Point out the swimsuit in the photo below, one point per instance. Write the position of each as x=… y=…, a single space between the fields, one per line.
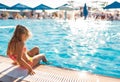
x=14 y=58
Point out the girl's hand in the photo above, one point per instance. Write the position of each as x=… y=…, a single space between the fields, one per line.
x=14 y=63
x=31 y=72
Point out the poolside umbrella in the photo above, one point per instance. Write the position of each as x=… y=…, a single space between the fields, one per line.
x=65 y=7
x=85 y=11
x=20 y=7
x=2 y=6
x=42 y=7
x=113 y=5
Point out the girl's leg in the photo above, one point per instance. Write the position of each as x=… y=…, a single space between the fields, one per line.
x=37 y=58
x=33 y=52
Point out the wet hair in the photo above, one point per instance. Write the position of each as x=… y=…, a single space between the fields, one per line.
x=17 y=37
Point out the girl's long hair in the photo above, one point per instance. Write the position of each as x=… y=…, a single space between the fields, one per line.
x=17 y=37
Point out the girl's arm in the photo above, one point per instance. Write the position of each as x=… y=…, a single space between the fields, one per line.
x=21 y=61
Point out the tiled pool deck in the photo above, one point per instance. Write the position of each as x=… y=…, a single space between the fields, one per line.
x=46 y=73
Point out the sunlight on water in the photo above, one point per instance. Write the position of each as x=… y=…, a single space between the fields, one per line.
x=87 y=34
x=7 y=26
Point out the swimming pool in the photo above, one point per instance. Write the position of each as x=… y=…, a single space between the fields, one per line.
x=89 y=45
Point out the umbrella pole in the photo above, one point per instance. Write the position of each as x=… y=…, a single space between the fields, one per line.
x=65 y=15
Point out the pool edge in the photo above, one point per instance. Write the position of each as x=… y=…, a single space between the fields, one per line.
x=56 y=70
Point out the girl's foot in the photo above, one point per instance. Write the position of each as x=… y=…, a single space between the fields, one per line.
x=46 y=63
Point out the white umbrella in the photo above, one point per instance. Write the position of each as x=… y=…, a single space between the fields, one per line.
x=69 y=8
x=65 y=7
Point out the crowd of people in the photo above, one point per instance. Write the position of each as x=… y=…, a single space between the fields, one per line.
x=107 y=16
x=69 y=15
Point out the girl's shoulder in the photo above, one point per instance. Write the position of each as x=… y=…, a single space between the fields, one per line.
x=20 y=44
x=16 y=43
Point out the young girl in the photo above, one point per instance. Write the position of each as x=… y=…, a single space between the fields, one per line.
x=18 y=52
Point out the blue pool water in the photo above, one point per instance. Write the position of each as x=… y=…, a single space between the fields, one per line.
x=92 y=46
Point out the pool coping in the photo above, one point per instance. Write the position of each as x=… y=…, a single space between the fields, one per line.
x=57 y=70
